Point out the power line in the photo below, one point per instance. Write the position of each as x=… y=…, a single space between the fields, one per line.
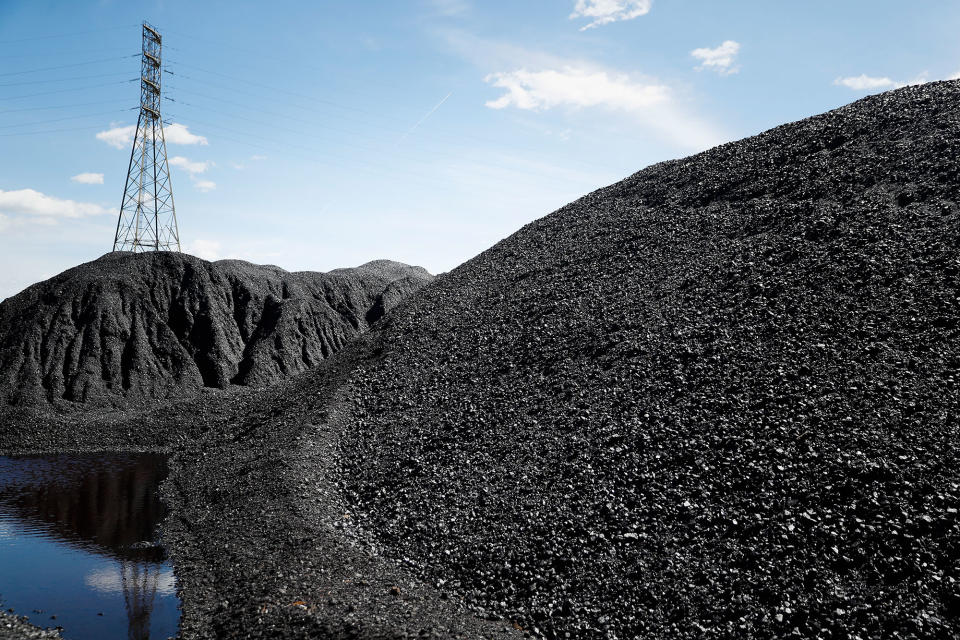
x=66 y=66
x=457 y=139
x=99 y=75
x=47 y=93
x=67 y=35
x=34 y=133
x=80 y=117
x=271 y=88
x=59 y=106
x=63 y=54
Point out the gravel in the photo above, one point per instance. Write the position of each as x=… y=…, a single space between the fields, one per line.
x=716 y=399
x=19 y=628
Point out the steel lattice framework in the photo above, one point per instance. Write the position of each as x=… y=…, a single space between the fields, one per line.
x=148 y=219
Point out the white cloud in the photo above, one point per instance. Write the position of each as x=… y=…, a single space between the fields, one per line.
x=576 y=87
x=606 y=11
x=673 y=119
x=189 y=165
x=719 y=59
x=177 y=133
x=204 y=185
x=88 y=178
x=206 y=249
x=47 y=208
x=863 y=82
x=256 y=157
x=120 y=137
x=4 y=223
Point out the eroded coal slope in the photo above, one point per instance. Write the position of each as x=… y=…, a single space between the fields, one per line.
x=130 y=327
x=716 y=399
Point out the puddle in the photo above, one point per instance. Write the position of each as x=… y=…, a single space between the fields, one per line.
x=78 y=539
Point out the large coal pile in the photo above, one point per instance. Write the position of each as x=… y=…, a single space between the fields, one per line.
x=718 y=398
x=129 y=327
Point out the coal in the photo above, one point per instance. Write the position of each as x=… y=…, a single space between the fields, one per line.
x=718 y=398
x=133 y=327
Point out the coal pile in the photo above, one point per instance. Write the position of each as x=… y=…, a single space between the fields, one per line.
x=129 y=327
x=716 y=399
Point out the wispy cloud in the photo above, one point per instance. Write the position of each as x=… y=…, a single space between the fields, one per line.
x=239 y=166
x=606 y=11
x=88 y=178
x=121 y=137
x=46 y=209
x=720 y=59
x=540 y=81
x=450 y=7
x=647 y=101
x=189 y=165
x=576 y=87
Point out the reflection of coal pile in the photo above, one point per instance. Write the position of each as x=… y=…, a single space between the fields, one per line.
x=105 y=502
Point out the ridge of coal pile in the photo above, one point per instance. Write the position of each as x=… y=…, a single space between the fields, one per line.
x=718 y=398
x=129 y=327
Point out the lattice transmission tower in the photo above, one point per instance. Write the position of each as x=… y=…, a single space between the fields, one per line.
x=148 y=219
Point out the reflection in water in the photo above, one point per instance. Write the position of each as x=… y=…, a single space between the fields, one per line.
x=96 y=516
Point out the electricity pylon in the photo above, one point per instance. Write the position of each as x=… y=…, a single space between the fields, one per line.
x=148 y=219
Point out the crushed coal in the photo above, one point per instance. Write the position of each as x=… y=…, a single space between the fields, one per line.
x=718 y=398
x=129 y=327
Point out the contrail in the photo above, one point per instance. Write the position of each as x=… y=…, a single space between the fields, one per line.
x=425 y=116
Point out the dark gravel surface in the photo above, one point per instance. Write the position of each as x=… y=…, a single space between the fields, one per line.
x=133 y=327
x=716 y=399
x=264 y=544
x=19 y=628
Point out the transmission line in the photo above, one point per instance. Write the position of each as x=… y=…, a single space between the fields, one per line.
x=99 y=75
x=80 y=117
x=91 y=86
x=65 y=35
x=66 y=66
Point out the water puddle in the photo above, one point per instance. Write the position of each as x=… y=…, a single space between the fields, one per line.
x=78 y=545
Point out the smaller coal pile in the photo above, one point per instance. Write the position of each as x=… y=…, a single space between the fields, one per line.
x=129 y=327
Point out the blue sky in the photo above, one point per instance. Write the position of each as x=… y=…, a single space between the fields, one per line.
x=316 y=135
